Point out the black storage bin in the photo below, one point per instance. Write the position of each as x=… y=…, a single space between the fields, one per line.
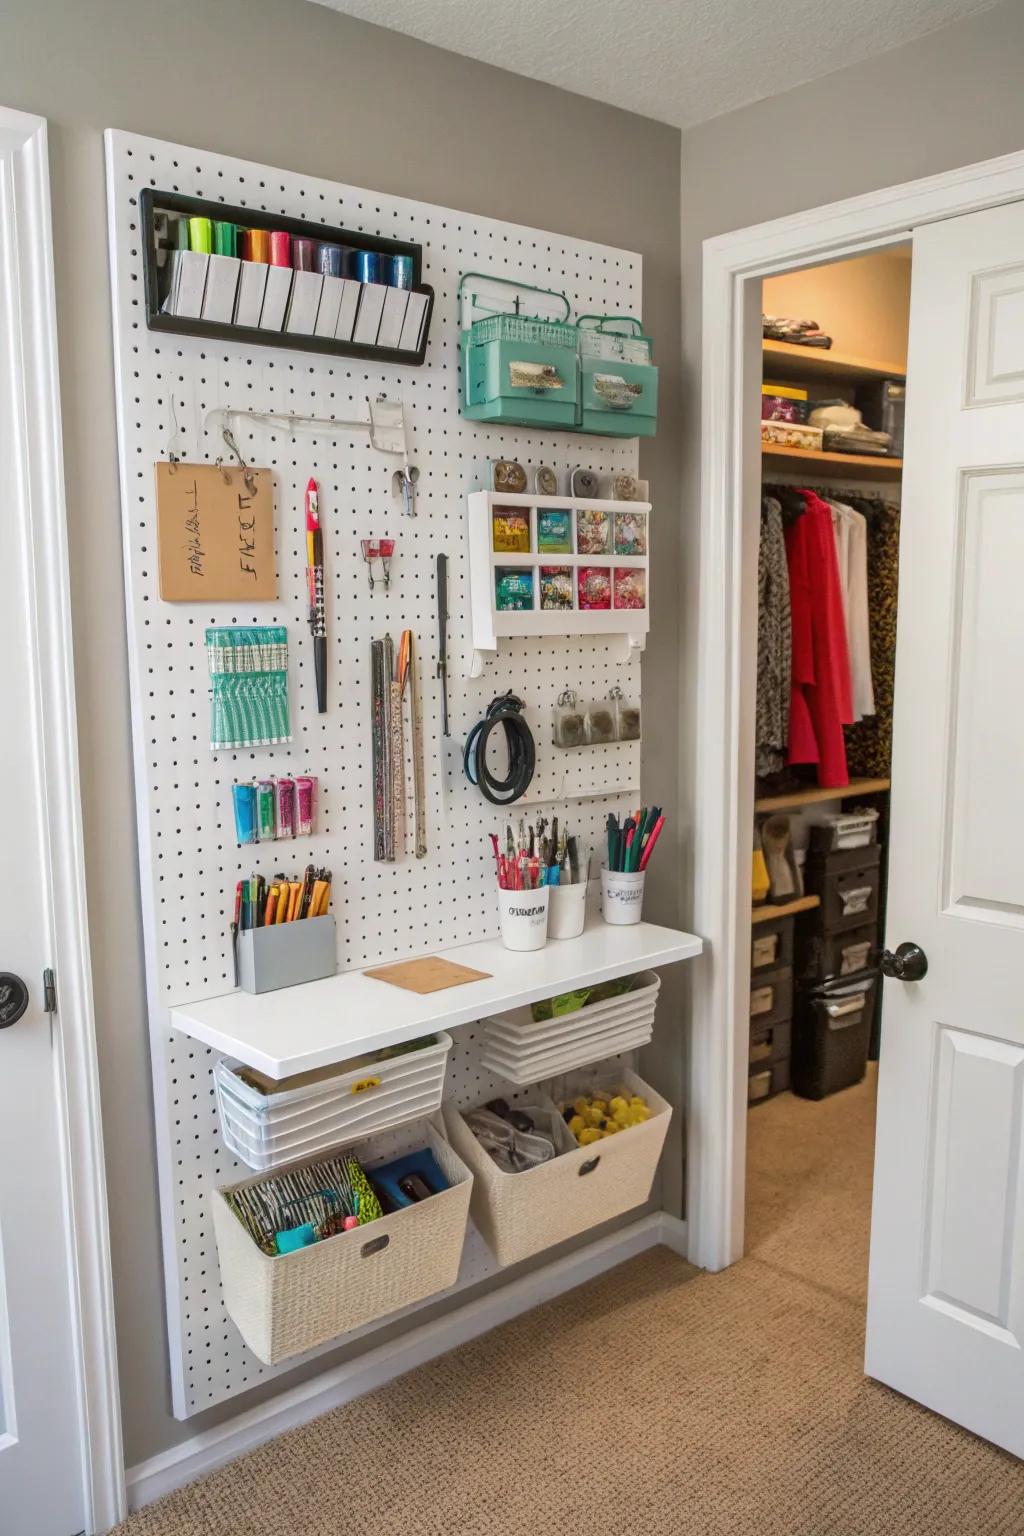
x=766 y=1082
x=831 y=1032
x=768 y=1045
x=822 y=956
x=771 y=997
x=847 y=883
x=771 y=944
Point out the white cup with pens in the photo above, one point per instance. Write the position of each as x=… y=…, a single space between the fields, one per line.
x=630 y=846
x=542 y=885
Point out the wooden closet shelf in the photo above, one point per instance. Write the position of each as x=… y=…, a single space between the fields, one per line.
x=784 y=361
x=860 y=466
x=768 y=913
x=814 y=794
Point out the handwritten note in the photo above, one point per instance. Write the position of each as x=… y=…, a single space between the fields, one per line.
x=215 y=533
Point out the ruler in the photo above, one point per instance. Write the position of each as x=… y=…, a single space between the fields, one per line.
x=418 y=790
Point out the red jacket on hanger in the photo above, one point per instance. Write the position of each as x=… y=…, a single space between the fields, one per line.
x=821 y=701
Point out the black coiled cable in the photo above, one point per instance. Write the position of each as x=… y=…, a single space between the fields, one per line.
x=504 y=711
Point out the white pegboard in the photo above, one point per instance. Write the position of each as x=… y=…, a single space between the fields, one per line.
x=189 y=859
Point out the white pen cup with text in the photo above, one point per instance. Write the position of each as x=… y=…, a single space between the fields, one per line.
x=622 y=896
x=524 y=918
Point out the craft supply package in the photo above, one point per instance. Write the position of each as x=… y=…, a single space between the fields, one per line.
x=175 y=395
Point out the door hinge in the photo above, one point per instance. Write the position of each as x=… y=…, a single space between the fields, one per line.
x=49 y=992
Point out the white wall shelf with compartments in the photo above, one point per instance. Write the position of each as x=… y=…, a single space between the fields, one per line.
x=320 y=1023
x=492 y=623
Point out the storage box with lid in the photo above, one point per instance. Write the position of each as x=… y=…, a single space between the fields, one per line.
x=822 y=956
x=831 y=1035
x=847 y=883
x=771 y=996
x=520 y=1214
x=618 y=379
x=765 y=1082
x=288 y=1303
x=519 y=354
x=771 y=944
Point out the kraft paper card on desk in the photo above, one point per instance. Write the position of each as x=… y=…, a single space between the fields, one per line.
x=215 y=533
x=431 y=974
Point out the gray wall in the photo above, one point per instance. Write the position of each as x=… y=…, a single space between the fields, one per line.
x=947 y=101
x=384 y=112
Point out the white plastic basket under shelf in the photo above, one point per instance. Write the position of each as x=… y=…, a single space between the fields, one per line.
x=524 y=1050
x=266 y=1130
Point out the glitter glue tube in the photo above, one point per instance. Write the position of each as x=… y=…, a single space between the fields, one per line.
x=305 y=793
x=255 y=245
x=265 y=809
x=280 y=248
x=304 y=254
x=286 y=807
x=244 y=798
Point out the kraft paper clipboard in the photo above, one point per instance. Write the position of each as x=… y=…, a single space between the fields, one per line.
x=215 y=533
x=430 y=974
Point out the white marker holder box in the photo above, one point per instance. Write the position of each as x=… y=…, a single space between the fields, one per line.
x=330 y=306
x=412 y=323
x=221 y=289
x=275 y=300
x=252 y=285
x=371 y=307
x=347 y=309
x=391 y=321
x=304 y=304
x=189 y=283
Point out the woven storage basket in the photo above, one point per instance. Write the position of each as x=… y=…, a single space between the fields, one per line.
x=268 y=1130
x=520 y=1214
x=292 y=1302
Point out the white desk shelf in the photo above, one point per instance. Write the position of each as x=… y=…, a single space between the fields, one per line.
x=491 y=623
x=323 y=1022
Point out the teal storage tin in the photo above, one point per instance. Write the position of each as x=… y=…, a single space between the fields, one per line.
x=618 y=380
x=518 y=366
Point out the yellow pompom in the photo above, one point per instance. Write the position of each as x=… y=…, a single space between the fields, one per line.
x=577 y=1124
x=581 y=1105
x=618 y=1103
x=593 y=1116
x=589 y=1135
x=638 y=1101
x=611 y=1126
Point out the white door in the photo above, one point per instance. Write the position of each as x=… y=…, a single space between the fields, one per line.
x=946 y=1284
x=41 y=1486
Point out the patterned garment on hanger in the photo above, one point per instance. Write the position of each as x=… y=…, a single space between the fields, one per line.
x=869 y=742
x=773 y=643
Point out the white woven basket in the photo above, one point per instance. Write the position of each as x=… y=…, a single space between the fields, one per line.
x=292 y=1302
x=522 y=1049
x=268 y=1130
x=520 y=1214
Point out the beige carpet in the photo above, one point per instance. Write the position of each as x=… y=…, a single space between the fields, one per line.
x=650 y=1401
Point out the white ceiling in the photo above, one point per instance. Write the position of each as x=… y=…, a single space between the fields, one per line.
x=680 y=61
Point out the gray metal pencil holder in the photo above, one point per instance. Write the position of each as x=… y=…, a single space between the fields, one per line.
x=287 y=953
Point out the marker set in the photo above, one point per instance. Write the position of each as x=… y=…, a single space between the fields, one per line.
x=271 y=280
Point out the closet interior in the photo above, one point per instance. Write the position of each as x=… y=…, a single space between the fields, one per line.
x=832 y=403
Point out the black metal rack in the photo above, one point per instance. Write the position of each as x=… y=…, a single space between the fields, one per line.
x=151 y=200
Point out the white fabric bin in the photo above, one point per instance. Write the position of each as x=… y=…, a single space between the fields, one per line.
x=289 y=1303
x=344 y=1104
x=520 y=1214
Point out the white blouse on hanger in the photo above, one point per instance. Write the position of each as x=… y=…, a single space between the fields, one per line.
x=851 y=534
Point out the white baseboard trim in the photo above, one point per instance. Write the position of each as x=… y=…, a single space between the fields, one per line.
x=213 y=1448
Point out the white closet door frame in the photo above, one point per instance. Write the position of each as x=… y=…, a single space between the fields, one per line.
x=27 y=292
x=734 y=265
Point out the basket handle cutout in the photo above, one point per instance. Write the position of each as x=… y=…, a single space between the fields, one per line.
x=375 y=1245
x=590 y=1165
